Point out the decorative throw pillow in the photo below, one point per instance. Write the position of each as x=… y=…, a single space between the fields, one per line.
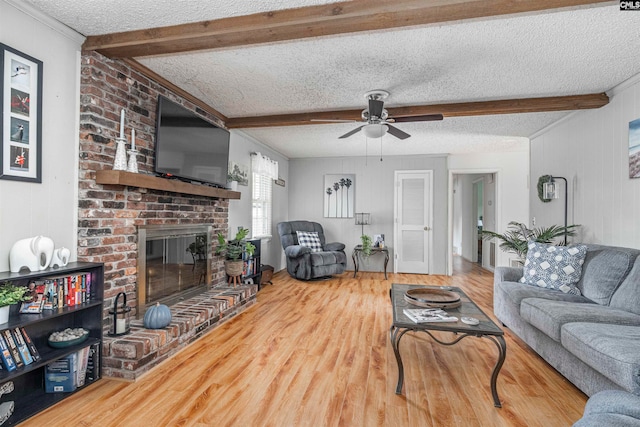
x=554 y=267
x=309 y=239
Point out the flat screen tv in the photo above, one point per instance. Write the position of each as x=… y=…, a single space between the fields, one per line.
x=189 y=147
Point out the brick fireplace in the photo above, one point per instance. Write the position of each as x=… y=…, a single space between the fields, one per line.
x=109 y=215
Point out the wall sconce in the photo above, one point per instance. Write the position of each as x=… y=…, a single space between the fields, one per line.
x=363 y=219
x=550 y=190
x=120 y=316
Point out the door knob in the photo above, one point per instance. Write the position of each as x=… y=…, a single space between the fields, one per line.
x=427 y=228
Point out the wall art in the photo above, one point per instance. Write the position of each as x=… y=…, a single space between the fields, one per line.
x=238 y=172
x=21 y=112
x=339 y=191
x=634 y=149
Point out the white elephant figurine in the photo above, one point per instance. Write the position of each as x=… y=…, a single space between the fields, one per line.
x=34 y=253
x=60 y=257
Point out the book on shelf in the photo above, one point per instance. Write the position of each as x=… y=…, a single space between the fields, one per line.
x=23 y=350
x=36 y=303
x=13 y=348
x=30 y=345
x=5 y=355
x=82 y=360
x=93 y=363
x=428 y=315
x=60 y=375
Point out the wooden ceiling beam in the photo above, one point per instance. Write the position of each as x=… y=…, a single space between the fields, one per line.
x=311 y=21
x=480 y=108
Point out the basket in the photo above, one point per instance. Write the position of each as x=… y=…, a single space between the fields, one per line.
x=234 y=267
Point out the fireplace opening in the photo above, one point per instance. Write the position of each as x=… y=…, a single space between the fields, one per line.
x=173 y=263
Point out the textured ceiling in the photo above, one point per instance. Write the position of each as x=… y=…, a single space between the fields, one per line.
x=535 y=55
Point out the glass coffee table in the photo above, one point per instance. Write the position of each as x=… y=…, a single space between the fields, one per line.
x=485 y=329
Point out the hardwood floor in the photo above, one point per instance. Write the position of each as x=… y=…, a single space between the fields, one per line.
x=318 y=354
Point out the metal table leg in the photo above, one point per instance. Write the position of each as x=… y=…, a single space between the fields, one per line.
x=502 y=354
x=395 y=334
x=386 y=261
x=354 y=257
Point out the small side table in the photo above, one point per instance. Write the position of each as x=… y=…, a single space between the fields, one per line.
x=358 y=249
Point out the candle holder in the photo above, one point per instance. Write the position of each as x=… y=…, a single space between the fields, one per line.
x=120 y=162
x=133 y=161
x=120 y=316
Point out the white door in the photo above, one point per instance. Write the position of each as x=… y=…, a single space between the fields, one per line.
x=413 y=221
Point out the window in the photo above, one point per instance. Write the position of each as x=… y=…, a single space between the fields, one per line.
x=263 y=172
x=261 y=226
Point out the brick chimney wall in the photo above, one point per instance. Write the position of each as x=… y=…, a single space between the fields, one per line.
x=108 y=215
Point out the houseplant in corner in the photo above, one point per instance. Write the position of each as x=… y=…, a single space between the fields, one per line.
x=10 y=294
x=233 y=251
x=515 y=239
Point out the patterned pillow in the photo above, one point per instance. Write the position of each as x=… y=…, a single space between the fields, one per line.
x=554 y=267
x=309 y=239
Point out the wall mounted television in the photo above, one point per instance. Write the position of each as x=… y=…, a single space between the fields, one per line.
x=189 y=147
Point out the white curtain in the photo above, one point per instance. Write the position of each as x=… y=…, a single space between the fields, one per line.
x=264 y=166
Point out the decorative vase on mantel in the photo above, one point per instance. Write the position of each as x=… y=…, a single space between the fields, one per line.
x=232 y=185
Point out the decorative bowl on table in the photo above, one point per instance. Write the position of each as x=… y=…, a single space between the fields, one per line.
x=68 y=337
x=433 y=298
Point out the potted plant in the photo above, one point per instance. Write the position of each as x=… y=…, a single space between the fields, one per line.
x=516 y=237
x=10 y=294
x=366 y=245
x=233 y=251
x=233 y=178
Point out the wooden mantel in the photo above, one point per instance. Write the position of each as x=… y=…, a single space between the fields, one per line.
x=155 y=183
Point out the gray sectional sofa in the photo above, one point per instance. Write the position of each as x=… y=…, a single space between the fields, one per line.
x=593 y=339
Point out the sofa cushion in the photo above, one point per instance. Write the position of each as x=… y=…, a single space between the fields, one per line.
x=604 y=269
x=554 y=267
x=627 y=296
x=550 y=316
x=309 y=239
x=611 y=408
x=516 y=292
x=612 y=350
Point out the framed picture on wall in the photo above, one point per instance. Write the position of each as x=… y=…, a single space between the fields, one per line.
x=339 y=197
x=21 y=112
x=634 y=149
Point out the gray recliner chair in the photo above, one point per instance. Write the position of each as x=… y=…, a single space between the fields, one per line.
x=302 y=262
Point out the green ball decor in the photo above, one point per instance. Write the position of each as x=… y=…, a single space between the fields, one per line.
x=157 y=317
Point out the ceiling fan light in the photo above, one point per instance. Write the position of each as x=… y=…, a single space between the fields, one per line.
x=375 y=130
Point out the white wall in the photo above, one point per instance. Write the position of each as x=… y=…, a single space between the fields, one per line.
x=49 y=208
x=240 y=211
x=374 y=191
x=511 y=184
x=590 y=149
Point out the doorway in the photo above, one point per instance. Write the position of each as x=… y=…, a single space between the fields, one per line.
x=413 y=212
x=473 y=200
x=477 y=218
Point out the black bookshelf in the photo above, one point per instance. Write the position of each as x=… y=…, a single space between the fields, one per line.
x=29 y=394
x=252 y=264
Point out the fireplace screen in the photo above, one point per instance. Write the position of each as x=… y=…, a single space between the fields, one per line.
x=173 y=265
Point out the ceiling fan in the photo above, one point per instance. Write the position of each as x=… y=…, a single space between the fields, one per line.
x=377 y=119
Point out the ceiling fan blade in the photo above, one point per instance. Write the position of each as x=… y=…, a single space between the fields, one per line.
x=426 y=118
x=375 y=108
x=397 y=132
x=348 y=134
